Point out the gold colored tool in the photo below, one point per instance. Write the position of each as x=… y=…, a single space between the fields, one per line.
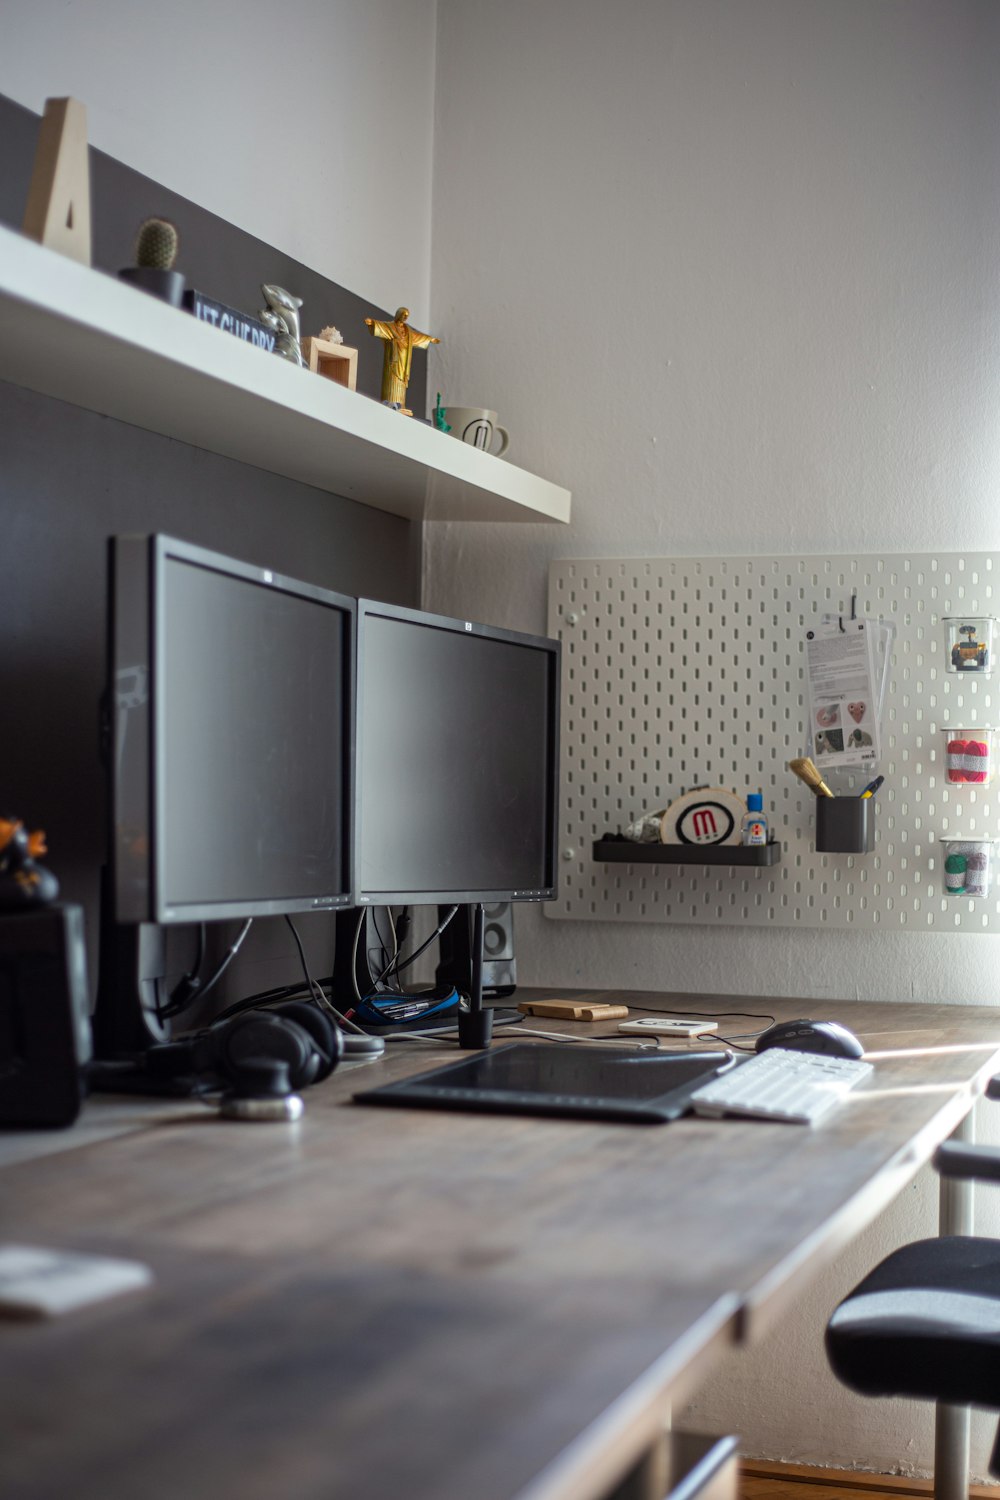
x=806 y=771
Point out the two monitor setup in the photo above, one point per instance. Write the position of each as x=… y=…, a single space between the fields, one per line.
x=276 y=748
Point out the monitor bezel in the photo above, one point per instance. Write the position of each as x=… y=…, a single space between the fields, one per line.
x=136 y=572
x=448 y=895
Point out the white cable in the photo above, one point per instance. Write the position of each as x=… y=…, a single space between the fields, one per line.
x=528 y=1035
x=524 y=1036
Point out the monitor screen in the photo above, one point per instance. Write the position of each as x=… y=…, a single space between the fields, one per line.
x=231 y=724
x=457 y=759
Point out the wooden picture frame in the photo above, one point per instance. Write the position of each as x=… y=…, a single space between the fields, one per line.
x=333 y=361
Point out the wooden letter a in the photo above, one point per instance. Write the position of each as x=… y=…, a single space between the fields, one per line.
x=58 y=211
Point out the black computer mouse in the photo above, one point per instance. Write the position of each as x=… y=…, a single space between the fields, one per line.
x=828 y=1037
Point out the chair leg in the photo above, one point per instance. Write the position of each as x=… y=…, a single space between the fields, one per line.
x=951 y=1423
x=951 y=1452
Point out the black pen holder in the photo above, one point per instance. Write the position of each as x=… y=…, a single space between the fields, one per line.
x=845 y=825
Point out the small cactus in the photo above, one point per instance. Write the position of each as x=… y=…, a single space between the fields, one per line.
x=156 y=244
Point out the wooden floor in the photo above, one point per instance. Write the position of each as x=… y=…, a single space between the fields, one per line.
x=772 y=1481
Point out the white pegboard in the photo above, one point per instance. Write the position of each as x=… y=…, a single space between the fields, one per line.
x=685 y=672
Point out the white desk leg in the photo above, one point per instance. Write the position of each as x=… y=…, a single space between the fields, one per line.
x=951 y=1429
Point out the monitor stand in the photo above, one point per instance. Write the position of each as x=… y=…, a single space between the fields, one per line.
x=126 y=1022
x=475 y=1025
x=131 y=969
x=351 y=952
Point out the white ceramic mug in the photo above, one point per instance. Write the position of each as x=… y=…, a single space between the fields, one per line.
x=476 y=425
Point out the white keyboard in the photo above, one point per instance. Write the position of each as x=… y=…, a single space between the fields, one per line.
x=800 y=1088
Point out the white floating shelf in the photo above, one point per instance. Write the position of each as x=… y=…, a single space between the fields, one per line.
x=74 y=333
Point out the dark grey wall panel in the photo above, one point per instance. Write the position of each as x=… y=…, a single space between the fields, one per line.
x=69 y=479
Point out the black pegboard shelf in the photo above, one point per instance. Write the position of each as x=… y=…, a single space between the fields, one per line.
x=619 y=851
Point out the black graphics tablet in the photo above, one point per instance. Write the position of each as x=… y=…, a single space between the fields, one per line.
x=535 y=1078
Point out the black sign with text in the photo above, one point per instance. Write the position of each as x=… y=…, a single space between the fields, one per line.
x=229 y=320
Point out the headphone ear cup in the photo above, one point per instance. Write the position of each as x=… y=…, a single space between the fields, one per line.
x=260 y=1034
x=326 y=1036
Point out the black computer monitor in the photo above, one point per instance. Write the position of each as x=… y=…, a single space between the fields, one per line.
x=457 y=756
x=230 y=702
x=456 y=798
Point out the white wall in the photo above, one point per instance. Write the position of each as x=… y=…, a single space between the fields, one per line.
x=728 y=270
x=307 y=123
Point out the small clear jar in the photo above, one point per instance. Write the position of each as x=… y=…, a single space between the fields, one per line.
x=967 y=866
x=968 y=757
x=968 y=642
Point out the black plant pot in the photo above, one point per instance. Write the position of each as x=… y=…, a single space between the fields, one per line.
x=167 y=285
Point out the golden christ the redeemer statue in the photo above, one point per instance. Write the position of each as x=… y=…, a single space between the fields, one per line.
x=402 y=340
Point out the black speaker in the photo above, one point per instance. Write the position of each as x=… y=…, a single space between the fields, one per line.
x=44 y=1021
x=455 y=950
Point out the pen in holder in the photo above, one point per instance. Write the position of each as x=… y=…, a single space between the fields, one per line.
x=845 y=825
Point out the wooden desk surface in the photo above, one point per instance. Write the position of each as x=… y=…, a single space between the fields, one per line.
x=464 y=1307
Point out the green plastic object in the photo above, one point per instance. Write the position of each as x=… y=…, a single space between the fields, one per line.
x=439 y=421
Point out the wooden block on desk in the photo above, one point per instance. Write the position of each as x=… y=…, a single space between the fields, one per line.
x=573 y=1010
x=334 y=361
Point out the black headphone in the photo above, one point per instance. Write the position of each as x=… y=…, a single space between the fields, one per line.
x=297 y=1036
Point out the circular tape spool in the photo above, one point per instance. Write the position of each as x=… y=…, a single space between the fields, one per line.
x=708 y=815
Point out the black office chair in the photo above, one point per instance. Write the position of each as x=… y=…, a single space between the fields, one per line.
x=925 y=1323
